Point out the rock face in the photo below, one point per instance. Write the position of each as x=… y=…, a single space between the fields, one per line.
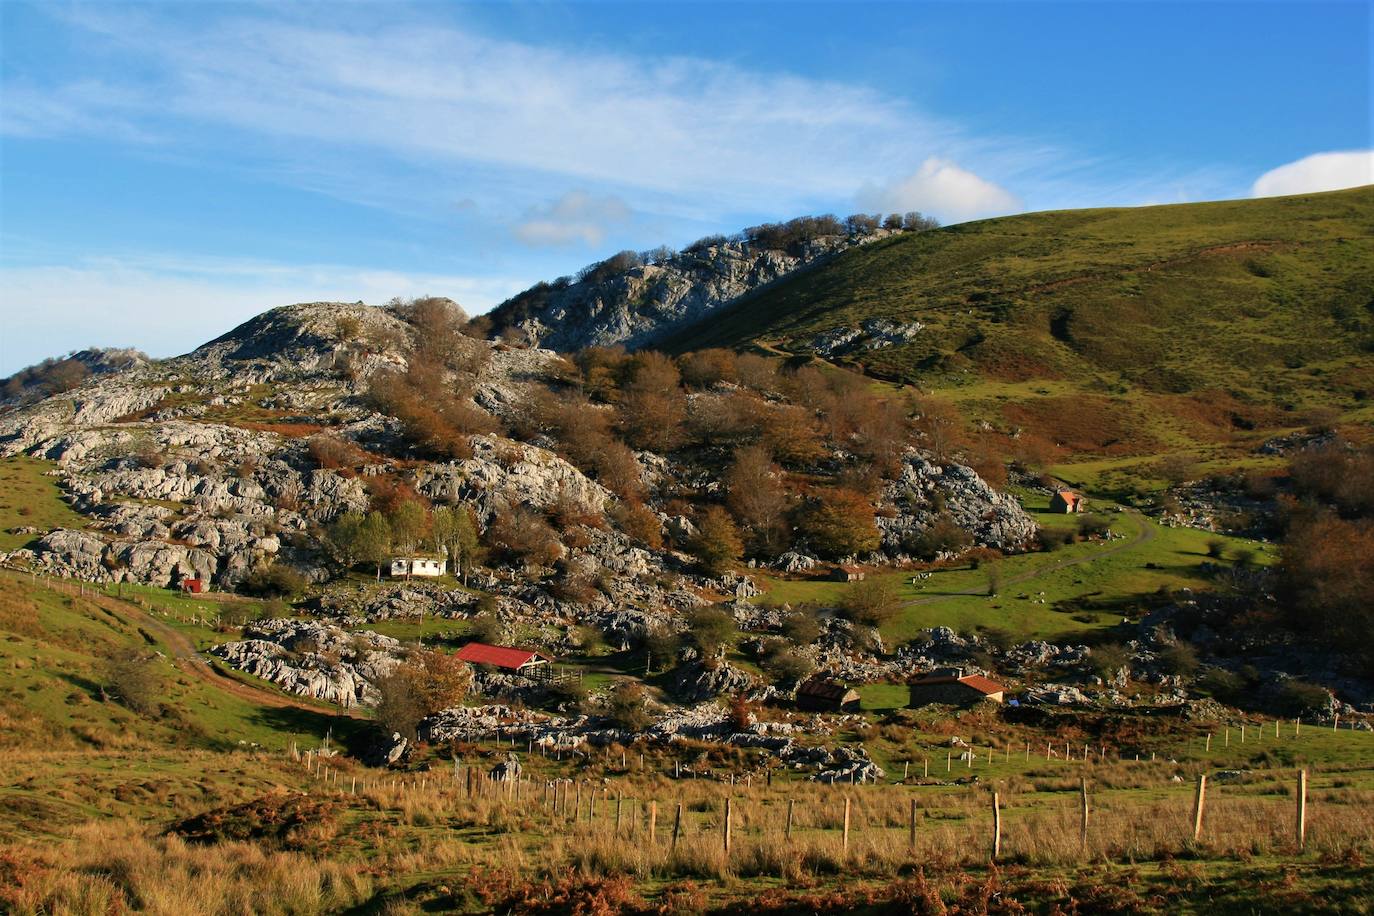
x=925 y=492
x=644 y=303
x=314 y=660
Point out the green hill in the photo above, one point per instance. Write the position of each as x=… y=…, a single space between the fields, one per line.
x=1114 y=331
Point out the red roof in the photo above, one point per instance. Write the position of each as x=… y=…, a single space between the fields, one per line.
x=976 y=681
x=479 y=653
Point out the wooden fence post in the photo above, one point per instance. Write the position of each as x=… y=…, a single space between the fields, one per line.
x=996 y=826
x=1302 y=810
x=846 y=826
x=787 y=832
x=1083 y=815
x=677 y=827
x=1199 y=803
x=729 y=816
x=911 y=826
x=653 y=822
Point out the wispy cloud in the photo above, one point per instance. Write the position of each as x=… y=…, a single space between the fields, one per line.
x=442 y=96
x=170 y=305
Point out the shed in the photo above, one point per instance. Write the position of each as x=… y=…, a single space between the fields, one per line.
x=846 y=574
x=954 y=688
x=507 y=658
x=824 y=694
x=1066 y=501
x=417 y=566
x=193 y=586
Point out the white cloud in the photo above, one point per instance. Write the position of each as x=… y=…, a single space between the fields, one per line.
x=575 y=217
x=1318 y=172
x=168 y=306
x=944 y=189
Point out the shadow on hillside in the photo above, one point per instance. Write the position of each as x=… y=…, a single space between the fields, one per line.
x=307 y=725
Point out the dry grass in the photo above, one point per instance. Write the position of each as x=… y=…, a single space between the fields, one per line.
x=113 y=867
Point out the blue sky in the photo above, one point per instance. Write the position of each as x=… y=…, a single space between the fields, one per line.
x=170 y=169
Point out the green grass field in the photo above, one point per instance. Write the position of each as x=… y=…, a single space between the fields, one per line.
x=30 y=498
x=1041 y=597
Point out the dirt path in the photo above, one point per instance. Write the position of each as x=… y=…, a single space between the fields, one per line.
x=1145 y=532
x=185 y=657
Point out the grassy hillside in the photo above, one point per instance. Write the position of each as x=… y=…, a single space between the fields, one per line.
x=1113 y=332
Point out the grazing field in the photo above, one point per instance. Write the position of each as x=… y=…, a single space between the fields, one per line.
x=209 y=801
x=29 y=498
x=1067 y=593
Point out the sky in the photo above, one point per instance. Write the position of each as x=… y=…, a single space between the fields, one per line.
x=170 y=169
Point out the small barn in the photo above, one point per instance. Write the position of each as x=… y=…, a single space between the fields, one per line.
x=846 y=574
x=1066 y=502
x=408 y=567
x=823 y=694
x=193 y=586
x=526 y=662
x=954 y=688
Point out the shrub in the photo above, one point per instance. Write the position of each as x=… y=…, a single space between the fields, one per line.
x=1300 y=698
x=626 y=706
x=274 y=580
x=1180 y=659
x=711 y=630
x=872 y=602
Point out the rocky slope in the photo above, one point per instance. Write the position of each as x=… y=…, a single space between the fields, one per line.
x=636 y=303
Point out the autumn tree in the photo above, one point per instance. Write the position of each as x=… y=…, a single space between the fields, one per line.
x=526 y=535
x=627 y=706
x=716 y=544
x=704 y=368
x=941 y=429
x=653 y=409
x=427 y=682
x=128 y=676
x=638 y=522
x=1326 y=578
x=839 y=523
x=757 y=497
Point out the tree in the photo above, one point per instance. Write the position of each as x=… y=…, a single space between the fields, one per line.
x=653 y=408
x=704 y=368
x=342 y=539
x=427 y=682
x=839 y=523
x=525 y=534
x=639 y=523
x=941 y=429
x=408 y=522
x=755 y=494
x=373 y=541
x=454 y=530
x=872 y=602
x=716 y=544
